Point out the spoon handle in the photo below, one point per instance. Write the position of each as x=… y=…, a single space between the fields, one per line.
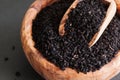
x=109 y=16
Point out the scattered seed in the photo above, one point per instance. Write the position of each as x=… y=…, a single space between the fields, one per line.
x=6 y=59
x=13 y=47
x=17 y=74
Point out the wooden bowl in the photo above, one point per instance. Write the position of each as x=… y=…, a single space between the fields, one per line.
x=48 y=70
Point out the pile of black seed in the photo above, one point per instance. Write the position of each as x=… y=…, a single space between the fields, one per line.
x=71 y=50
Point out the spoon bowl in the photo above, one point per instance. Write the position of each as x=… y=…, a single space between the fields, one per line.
x=109 y=16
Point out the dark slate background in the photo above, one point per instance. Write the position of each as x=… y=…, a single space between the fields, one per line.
x=13 y=63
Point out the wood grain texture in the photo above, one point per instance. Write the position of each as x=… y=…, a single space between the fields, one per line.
x=118 y=5
x=48 y=70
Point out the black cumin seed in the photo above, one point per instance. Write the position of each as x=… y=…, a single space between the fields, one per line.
x=17 y=74
x=72 y=49
x=6 y=59
x=13 y=47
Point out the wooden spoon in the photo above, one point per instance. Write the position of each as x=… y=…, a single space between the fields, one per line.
x=109 y=16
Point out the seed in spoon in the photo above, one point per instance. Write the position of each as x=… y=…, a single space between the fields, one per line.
x=65 y=17
x=109 y=16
